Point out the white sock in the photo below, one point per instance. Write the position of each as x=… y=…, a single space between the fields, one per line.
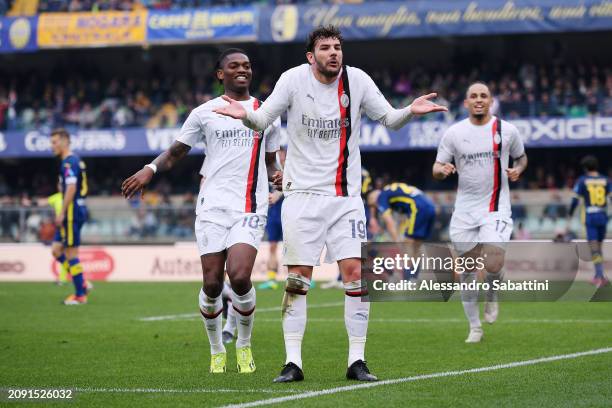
x=244 y=306
x=211 y=310
x=356 y=315
x=469 y=299
x=491 y=294
x=294 y=316
x=230 y=322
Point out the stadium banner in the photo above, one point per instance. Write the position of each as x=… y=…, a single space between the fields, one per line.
x=421 y=18
x=417 y=135
x=85 y=29
x=18 y=34
x=217 y=23
x=129 y=263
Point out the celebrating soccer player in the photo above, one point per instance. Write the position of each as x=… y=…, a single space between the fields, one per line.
x=481 y=147
x=72 y=215
x=322 y=182
x=232 y=204
x=594 y=189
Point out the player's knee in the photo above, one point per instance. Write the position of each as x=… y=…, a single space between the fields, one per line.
x=494 y=265
x=213 y=288
x=56 y=251
x=351 y=270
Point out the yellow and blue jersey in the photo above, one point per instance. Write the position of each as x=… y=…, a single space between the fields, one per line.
x=408 y=200
x=73 y=172
x=593 y=191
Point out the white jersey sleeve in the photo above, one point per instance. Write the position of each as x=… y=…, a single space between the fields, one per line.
x=192 y=131
x=446 y=148
x=274 y=106
x=273 y=136
x=517 y=149
x=374 y=104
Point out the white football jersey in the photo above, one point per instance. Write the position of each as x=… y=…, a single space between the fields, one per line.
x=481 y=155
x=235 y=166
x=323 y=126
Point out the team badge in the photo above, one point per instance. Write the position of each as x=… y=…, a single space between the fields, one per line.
x=497 y=138
x=344 y=100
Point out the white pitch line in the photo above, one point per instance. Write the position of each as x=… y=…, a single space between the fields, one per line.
x=449 y=320
x=178 y=391
x=335 y=390
x=263 y=310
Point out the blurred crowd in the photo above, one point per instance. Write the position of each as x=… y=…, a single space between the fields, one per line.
x=46 y=6
x=28 y=102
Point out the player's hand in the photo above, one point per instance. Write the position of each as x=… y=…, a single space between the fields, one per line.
x=422 y=105
x=59 y=219
x=447 y=169
x=137 y=182
x=233 y=110
x=374 y=226
x=513 y=174
x=277 y=180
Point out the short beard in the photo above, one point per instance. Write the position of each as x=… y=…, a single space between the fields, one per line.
x=479 y=116
x=326 y=72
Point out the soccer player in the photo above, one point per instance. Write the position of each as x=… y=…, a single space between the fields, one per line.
x=229 y=328
x=594 y=189
x=72 y=215
x=274 y=230
x=232 y=204
x=366 y=188
x=414 y=205
x=481 y=147
x=321 y=182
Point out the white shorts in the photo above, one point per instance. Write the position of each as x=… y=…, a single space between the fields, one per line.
x=468 y=230
x=218 y=230
x=311 y=221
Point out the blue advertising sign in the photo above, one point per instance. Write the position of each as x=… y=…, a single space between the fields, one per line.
x=422 y=18
x=18 y=34
x=217 y=23
x=536 y=132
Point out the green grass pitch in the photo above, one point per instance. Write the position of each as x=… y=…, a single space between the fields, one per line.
x=115 y=359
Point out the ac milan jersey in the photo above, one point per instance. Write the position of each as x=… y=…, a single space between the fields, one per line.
x=323 y=124
x=481 y=155
x=235 y=169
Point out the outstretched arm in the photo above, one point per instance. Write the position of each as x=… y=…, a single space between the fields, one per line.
x=272 y=108
x=165 y=161
x=397 y=118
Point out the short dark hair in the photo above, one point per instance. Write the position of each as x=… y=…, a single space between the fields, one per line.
x=589 y=163
x=477 y=83
x=61 y=132
x=320 y=33
x=227 y=52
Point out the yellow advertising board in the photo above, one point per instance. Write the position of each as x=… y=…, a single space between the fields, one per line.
x=57 y=30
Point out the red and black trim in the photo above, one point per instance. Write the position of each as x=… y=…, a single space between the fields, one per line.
x=497 y=168
x=251 y=188
x=243 y=312
x=211 y=315
x=357 y=293
x=344 y=94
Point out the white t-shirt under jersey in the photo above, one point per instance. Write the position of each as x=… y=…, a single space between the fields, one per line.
x=474 y=149
x=316 y=153
x=236 y=176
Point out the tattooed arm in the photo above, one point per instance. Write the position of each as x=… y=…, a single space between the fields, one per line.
x=164 y=162
x=275 y=175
